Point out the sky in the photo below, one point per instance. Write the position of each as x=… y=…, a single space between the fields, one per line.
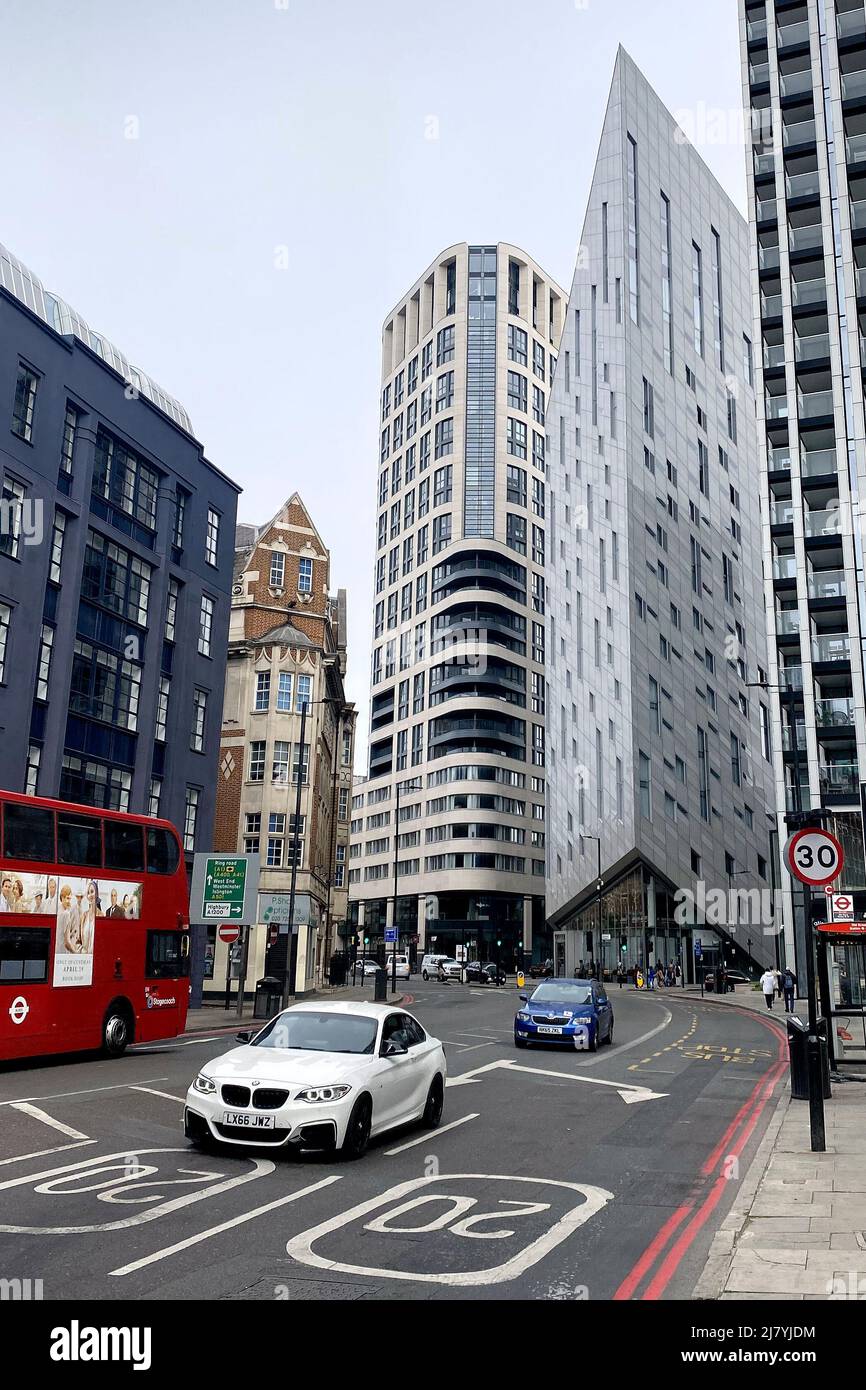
x=236 y=192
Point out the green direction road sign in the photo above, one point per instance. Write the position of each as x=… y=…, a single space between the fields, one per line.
x=224 y=886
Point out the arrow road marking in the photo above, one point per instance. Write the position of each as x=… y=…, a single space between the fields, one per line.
x=632 y=1095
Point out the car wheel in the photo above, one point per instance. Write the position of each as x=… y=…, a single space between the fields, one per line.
x=358 y=1129
x=424 y=975
x=520 y=1042
x=609 y=1038
x=116 y=1031
x=593 y=1042
x=435 y=1102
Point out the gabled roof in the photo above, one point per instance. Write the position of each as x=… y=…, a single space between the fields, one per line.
x=286 y=634
x=249 y=536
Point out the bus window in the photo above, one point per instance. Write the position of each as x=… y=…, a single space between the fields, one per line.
x=124 y=846
x=163 y=855
x=166 y=957
x=79 y=840
x=28 y=832
x=24 y=954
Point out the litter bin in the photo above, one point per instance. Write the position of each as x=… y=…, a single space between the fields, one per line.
x=798 y=1055
x=269 y=997
x=381 y=986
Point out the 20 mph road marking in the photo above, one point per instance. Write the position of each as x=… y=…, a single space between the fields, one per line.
x=632 y=1095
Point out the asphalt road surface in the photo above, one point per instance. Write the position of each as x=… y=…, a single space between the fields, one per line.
x=554 y=1174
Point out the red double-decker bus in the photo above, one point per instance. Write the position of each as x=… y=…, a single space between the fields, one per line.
x=94 y=929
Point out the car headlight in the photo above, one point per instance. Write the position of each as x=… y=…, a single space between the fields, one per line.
x=204 y=1083
x=318 y=1094
x=585 y=1018
x=524 y=1017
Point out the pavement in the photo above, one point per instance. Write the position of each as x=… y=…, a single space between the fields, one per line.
x=591 y=1176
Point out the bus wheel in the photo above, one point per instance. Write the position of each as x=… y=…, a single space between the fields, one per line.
x=116 y=1030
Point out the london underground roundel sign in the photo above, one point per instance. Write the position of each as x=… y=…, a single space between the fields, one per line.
x=814 y=857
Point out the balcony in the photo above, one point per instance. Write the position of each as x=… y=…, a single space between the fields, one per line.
x=831 y=646
x=858 y=213
x=799 y=133
x=854 y=84
x=860 y=280
x=782 y=513
x=805 y=185
x=839 y=779
x=808 y=238
x=768 y=257
x=817 y=463
x=794 y=84
x=759 y=74
x=774 y=355
x=824 y=584
x=811 y=404
x=787 y=622
x=785 y=567
x=756 y=28
x=851 y=24
x=779 y=458
x=764 y=164
x=771 y=306
x=789 y=34
x=765 y=208
x=791 y=677
x=809 y=347
x=787 y=739
x=855 y=148
x=823 y=525
x=837 y=713
x=808 y=291
x=776 y=408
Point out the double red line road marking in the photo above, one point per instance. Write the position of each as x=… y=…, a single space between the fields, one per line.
x=689 y=1218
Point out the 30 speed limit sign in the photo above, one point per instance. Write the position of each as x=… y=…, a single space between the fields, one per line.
x=814 y=857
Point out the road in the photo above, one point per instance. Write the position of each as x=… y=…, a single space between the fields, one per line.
x=554 y=1175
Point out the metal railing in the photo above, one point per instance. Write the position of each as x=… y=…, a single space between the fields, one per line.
x=831 y=646
x=827 y=584
x=809 y=291
x=835 y=713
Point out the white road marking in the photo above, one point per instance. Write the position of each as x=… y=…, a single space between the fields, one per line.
x=166 y=1095
x=428 y=1138
x=224 y=1226
x=506 y=1033
x=261 y=1167
x=300 y=1247
x=173 y=1047
x=631 y=1094
x=91 y=1091
x=469 y=1047
x=42 y=1153
x=46 y=1119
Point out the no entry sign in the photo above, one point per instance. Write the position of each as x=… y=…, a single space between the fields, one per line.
x=229 y=934
x=814 y=856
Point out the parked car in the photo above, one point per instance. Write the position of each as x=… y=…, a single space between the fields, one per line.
x=319 y=1076
x=575 y=1012
x=429 y=964
x=483 y=974
x=402 y=968
x=447 y=968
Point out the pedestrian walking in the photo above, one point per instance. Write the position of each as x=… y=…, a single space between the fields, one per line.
x=620 y=975
x=638 y=979
x=678 y=972
x=789 y=985
x=778 y=975
x=651 y=977
x=768 y=985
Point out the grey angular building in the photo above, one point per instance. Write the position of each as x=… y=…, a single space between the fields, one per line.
x=804 y=83
x=659 y=776
x=116 y=551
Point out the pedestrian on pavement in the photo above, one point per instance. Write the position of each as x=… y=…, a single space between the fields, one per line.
x=620 y=975
x=678 y=972
x=768 y=985
x=789 y=985
x=638 y=978
x=778 y=975
x=651 y=977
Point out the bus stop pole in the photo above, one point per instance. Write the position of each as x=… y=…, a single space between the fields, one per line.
x=813 y=1041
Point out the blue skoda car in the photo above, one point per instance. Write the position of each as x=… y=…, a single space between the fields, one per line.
x=575 y=1012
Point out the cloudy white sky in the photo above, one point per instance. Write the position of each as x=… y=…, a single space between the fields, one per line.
x=282 y=193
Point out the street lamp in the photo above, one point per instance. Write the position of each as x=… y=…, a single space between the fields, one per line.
x=291 y=978
x=414 y=784
x=599 y=884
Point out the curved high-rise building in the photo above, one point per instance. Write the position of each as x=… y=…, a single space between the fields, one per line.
x=449 y=825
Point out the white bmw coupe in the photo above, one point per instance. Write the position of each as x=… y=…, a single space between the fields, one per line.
x=320 y=1076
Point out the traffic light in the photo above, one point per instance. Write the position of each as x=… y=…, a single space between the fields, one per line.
x=366 y=940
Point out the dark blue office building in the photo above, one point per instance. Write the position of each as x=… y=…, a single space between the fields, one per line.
x=116 y=551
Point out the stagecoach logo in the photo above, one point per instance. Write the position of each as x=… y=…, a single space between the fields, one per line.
x=19 y=1009
x=154 y=1001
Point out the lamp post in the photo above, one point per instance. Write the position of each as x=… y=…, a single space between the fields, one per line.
x=412 y=784
x=599 y=884
x=291 y=978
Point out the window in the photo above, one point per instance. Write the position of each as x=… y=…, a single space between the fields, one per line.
x=645 y=785
x=205 y=631
x=648 y=409
x=256 y=772
x=735 y=759
x=444 y=438
x=274 y=857
x=303 y=693
x=302 y=762
x=517 y=396
x=513 y=288
x=280 y=765
x=212 y=536
x=633 y=243
x=515 y=485
x=67 y=445
x=199 y=717
x=278 y=569
x=11 y=507
x=517 y=345
x=162 y=709
x=25 y=404
x=124 y=481
x=343 y=804
x=31 y=775
x=171 y=603
x=347 y=747
x=153 y=796
x=667 y=286
x=104 y=686
x=190 y=816
x=46 y=645
x=305 y=575
x=515 y=532
x=442 y=485
x=748 y=364
x=426 y=360
x=538 y=497
x=180 y=498
x=538 y=451
x=24 y=955
x=516 y=437
x=124 y=846
x=263 y=691
x=441 y=532
x=538 y=360
x=538 y=405
x=445 y=345
x=718 y=327
x=697 y=299
x=284 y=691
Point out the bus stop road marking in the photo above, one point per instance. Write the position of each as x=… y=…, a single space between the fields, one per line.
x=42 y=1153
x=37 y=1114
x=223 y=1226
x=427 y=1138
x=91 y=1091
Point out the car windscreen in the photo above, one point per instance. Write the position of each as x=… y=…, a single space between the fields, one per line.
x=562 y=992
x=319 y=1032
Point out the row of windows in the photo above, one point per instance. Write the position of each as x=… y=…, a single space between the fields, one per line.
x=277 y=572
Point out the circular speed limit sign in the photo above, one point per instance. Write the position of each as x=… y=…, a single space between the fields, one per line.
x=814 y=857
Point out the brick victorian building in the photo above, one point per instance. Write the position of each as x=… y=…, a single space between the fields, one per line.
x=287 y=645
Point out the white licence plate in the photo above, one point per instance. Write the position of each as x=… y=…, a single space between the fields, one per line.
x=544 y=1028
x=246 y=1120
